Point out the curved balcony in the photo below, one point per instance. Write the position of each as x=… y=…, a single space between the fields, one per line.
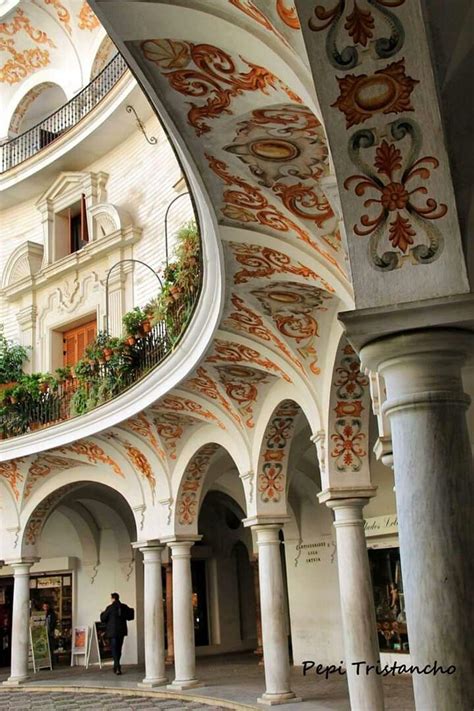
x=19 y=149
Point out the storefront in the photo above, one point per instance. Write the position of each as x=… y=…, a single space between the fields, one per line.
x=387 y=581
x=52 y=588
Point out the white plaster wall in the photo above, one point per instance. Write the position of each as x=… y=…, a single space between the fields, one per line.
x=59 y=538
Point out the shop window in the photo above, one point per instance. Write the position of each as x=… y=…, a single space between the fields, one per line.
x=75 y=341
x=389 y=600
x=71 y=232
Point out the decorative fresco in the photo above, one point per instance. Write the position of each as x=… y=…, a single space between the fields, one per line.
x=45 y=464
x=228 y=352
x=12 y=474
x=292 y=308
x=244 y=320
x=188 y=406
x=87 y=20
x=274 y=460
x=265 y=262
x=245 y=203
x=23 y=61
x=404 y=209
x=349 y=435
x=188 y=498
x=141 y=425
x=42 y=511
x=92 y=452
x=63 y=14
x=242 y=387
x=208 y=73
x=205 y=385
x=171 y=428
x=252 y=11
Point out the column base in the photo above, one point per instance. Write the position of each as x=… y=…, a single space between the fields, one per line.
x=288 y=697
x=148 y=683
x=182 y=685
x=15 y=680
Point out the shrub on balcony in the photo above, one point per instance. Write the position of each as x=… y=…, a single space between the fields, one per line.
x=12 y=359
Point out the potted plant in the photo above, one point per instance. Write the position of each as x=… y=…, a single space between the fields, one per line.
x=45 y=382
x=63 y=374
x=132 y=322
x=12 y=358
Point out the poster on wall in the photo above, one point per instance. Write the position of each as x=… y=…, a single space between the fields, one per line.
x=39 y=646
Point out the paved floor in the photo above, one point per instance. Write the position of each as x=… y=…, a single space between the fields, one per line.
x=62 y=701
x=234 y=680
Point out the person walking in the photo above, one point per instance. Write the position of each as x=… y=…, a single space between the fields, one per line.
x=115 y=617
x=50 y=623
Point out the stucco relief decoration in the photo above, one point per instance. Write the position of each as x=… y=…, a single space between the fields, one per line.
x=263 y=262
x=286 y=151
x=188 y=499
x=12 y=474
x=357 y=23
x=400 y=209
x=26 y=61
x=191 y=407
x=387 y=91
x=226 y=352
x=271 y=478
x=246 y=204
x=87 y=20
x=292 y=307
x=93 y=453
x=349 y=439
x=206 y=72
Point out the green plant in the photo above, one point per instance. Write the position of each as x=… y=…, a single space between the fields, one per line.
x=12 y=358
x=83 y=370
x=78 y=404
x=132 y=321
x=63 y=374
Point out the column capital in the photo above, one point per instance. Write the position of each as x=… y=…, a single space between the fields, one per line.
x=21 y=565
x=265 y=520
x=364 y=326
x=182 y=548
x=333 y=496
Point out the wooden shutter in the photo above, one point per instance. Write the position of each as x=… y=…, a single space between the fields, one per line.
x=84 y=230
x=75 y=341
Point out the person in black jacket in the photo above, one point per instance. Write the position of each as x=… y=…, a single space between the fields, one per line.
x=115 y=618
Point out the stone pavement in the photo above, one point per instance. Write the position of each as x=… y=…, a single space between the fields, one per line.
x=233 y=681
x=23 y=700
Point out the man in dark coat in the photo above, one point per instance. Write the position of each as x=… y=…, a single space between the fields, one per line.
x=115 y=618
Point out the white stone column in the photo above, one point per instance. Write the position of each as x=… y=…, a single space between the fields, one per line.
x=183 y=621
x=272 y=606
x=20 y=622
x=434 y=487
x=357 y=604
x=154 y=618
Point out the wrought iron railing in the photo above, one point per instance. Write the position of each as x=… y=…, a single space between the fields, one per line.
x=22 y=147
x=107 y=379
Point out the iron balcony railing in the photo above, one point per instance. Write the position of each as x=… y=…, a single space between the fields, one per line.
x=107 y=379
x=19 y=149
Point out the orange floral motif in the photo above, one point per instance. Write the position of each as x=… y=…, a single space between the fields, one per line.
x=205 y=71
x=360 y=24
x=252 y=11
x=140 y=425
x=42 y=511
x=205 y=385
x=11 y=473
x=288 y=14
x=225 y=352
x=171 y=428
x=188 y=495
x=386 y=91
x=179 y=404
x=271 y=479
x=246 y=320
x=88 y=20
x=62 y=13
x=92 y=452
x=265 y=262
x=241 y=385
x=348 y=450
x=21 y=22
x=22 y=64
x=250 y=199
x=140 y=461
x=45 y=464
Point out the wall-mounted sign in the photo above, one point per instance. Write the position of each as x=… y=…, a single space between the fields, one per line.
x=381 y=525
x=316 y=551
x=50 y=582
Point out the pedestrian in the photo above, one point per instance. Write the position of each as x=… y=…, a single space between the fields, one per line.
x=115 y=617
x=50 y=623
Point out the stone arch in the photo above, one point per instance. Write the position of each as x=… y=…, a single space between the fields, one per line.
x=37 y=104
x=41 y=507
x=105 y=52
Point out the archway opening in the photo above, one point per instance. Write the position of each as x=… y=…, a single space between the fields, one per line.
x=40 y=102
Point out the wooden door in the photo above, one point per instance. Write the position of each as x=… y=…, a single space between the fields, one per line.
x=76 y=340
